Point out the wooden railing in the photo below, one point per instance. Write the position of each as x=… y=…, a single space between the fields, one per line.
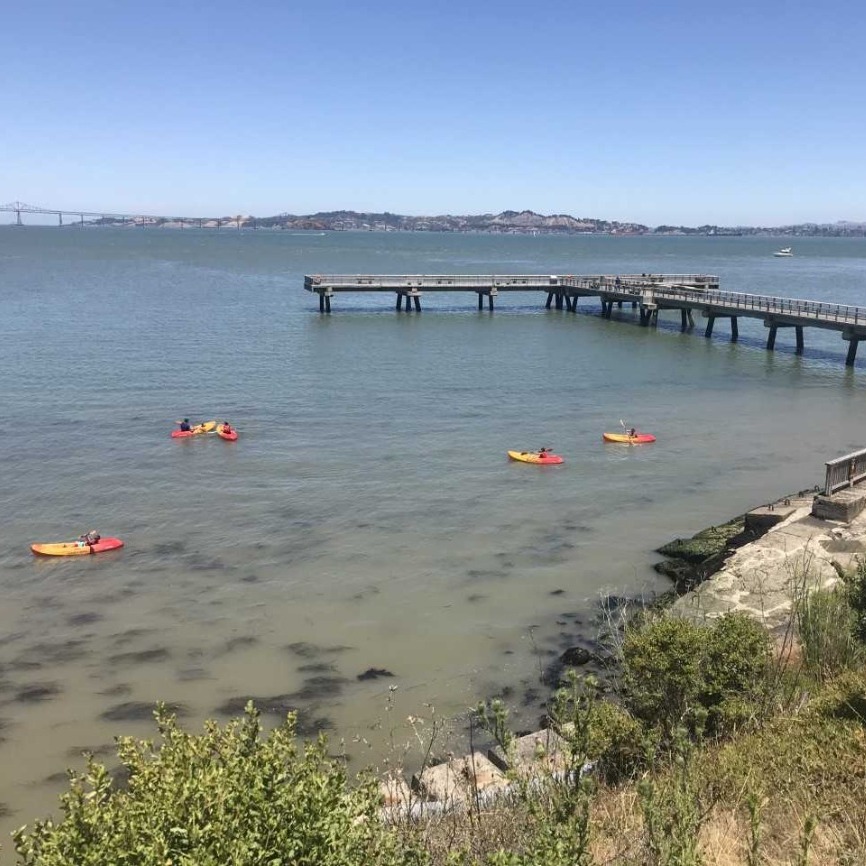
x=845 y=471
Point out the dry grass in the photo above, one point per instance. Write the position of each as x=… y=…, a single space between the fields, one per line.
x=619 y=839
x=810 y=765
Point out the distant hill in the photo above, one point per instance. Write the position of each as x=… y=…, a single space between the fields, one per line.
x=506 y=222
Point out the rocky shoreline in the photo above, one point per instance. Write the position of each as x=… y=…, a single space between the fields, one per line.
x=760 y=562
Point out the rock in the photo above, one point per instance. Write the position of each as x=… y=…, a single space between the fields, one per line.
x=374 y=674
x=705 y=543
x=576 y=656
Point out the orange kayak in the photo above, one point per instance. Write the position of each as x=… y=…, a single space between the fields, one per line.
x=625 y=439
x=75 y=548
x=546 y=459
x=230 y=435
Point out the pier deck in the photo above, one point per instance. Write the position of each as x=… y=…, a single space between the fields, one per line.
x=650 y=293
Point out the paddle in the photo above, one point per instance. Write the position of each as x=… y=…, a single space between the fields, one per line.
x=627 y=430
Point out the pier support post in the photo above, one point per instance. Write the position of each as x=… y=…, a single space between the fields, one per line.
x=546 y=306
x=417 y=303
x=644 y=317
x=799 y=331
x=490 y=301
x=481 y=301
x=771 y=338
x=327 y=303
x=852 y=352
x=321 y=302
x=633 y=304
x=735 y=332
x=559 y=300
x=711 y=320
x=684 y=319
x=691 y=320
x=619 y=304
x=654 y=317
x=399 y=301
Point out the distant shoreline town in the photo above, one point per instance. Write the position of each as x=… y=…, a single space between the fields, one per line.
x=525 y=222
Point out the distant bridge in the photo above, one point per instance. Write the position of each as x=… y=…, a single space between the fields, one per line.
x=78 y=217
x=650 y=293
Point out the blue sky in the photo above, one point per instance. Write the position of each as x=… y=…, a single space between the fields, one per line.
x=678 y=112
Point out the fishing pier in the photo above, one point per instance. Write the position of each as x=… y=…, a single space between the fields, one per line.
x=649 y=294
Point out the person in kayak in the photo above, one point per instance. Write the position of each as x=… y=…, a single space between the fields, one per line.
x=89 y=538
x=184 y=425
x=632 y=432
x=543 y=452
x=227 y=428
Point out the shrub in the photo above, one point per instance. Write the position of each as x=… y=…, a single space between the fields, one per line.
x=662 y=670
x=734 y=668
x=827 y=626
x=616 y=742
x=225 y=796
x=706 y=677
x=855 y=591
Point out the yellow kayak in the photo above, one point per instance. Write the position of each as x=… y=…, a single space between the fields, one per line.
x=626 y=439
x=74 y=548
x=535 y=457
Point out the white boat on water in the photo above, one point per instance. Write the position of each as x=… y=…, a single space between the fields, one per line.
x=785 y=252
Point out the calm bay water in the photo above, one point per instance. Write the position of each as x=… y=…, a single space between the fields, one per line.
x=367 y=517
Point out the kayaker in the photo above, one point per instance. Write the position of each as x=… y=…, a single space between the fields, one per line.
x=184 y=425
x=632 y=432
x=89 y=538
x=227 y=428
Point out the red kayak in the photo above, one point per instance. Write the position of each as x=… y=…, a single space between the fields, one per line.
x=195 y=431
x=75 y=548
x=229 y=435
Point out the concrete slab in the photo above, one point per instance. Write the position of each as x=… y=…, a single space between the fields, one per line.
x=761 y=577
x=457 y=780
x=534 y=754
x=394 y=791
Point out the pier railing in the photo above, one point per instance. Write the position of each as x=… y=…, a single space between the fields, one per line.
x=791 y=307
x=359 y=282
x=845 y=471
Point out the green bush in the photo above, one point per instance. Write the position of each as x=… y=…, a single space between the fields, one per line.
x=709 y=678
x=662 y=670
x=735 y=669
x=617 y=742
x=222 y=797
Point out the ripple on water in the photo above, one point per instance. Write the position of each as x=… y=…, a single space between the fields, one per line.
x=310 y=650
x=37 y=692
x=86 y=618
x=46 y=653
x=137 y=657
x=138 y=711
